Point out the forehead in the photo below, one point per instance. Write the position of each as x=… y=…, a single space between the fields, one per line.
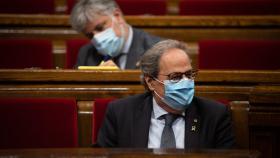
x=174 y=60
x=96 y=20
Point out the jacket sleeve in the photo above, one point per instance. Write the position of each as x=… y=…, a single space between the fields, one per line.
x=225 y=138
x=107 y=136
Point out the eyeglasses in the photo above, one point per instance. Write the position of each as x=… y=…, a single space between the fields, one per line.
x=89 y=35
x=177 y=76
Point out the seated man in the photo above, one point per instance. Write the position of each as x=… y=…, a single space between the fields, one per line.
x=112 y=39
x=168 y=115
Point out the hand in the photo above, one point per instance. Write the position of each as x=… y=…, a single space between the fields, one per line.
x=108 y=63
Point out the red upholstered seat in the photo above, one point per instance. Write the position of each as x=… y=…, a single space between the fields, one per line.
x=140 y=7
x=70 y=4
x=38 y=123
x=72 y=49
x=229 y=7
x=224 y=101
x=25 y=53
x=99 y=110
x=135 y=7
x=239 y=54
x=27 y=6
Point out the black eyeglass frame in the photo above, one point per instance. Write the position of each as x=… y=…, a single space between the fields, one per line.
x=177 y=76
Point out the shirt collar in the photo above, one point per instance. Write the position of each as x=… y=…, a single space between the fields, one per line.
x=128 y=41
x=159 y=111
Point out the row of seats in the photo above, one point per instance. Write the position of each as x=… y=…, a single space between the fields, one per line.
x=156 y=7
x=44 y=122
x=213 y=54
x=229 y=7
x=26 y=53
x=239 y=54
x=38 y=123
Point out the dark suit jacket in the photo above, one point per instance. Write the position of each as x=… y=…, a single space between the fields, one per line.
x=127 y=123
x=141 y=41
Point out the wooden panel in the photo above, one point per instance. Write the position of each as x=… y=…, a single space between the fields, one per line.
x=149 y=21
x=127 y=153
x=239 y=111
x=186 y=28
x=266 y=140
x=243 y=77
x=264 y=120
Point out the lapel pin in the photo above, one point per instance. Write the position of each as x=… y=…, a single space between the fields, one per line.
x=193 y=128
x=195 y=120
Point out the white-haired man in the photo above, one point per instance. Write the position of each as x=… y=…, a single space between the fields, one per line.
x=112 y=39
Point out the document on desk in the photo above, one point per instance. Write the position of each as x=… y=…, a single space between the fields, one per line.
x=103 y=68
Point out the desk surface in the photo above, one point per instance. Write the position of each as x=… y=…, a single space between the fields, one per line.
x=125 y=153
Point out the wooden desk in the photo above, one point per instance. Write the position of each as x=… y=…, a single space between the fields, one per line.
x=85 y=85
x=126 y=153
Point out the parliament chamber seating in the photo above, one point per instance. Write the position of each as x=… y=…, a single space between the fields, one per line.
x=72 y=49
x=229 y=7
x=143 y=7
x=99 y=109
x=189 y=29
x=135 y=7
x=27 y=6
x=254 y=97
x=26 y=53
x=38 y=123
x=239 y=54
x=69 y=5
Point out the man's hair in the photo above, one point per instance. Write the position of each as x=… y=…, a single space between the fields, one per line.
x=149 y=63
x=86 y=10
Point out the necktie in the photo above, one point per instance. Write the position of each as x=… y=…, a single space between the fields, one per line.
x=117 y=59
x=168 y=137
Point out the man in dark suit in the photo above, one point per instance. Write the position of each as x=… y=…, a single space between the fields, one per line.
x=112 y=39
x=143 y=121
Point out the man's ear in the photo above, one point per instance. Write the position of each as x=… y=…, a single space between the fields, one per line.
x=149 y=82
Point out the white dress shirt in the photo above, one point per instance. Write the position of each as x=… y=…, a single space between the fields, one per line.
x=157 y=126
x=122 y=60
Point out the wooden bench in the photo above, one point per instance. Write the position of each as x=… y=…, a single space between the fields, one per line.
x=190 y=29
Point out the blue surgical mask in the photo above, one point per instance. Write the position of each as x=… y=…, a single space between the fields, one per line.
x=178 y=95
x=108 y=43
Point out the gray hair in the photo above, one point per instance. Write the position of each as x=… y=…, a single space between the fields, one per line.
x=86 y=10
x=149 y=63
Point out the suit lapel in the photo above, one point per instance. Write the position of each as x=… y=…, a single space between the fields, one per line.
x=93 y=58
x=136 y=50
x=142 y=119
x=192 y=126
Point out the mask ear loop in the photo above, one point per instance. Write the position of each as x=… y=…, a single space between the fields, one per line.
x=122 y=33
x=156 y=91
x=158 y=95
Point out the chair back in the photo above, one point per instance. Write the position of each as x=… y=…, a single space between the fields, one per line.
x=27 y=6
x=229 y=7
x=38 y=123
x=99 y=110
x=26 y=53
x=143 y=7
x=72 y=49
x=239 y=54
